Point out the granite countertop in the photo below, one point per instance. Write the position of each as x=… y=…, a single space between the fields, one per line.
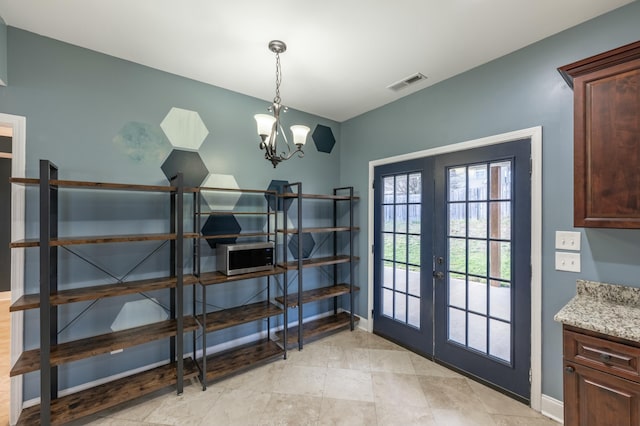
x=609 y=309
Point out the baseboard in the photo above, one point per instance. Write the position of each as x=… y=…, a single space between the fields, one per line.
x=552 y=408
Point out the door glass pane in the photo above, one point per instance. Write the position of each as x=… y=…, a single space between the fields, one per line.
x=401 y=277
x=401 y=189
x=414 y=312
x=500 y=339
x=458 y=184
x=457 y=255
x=388 y=184
x=401 y=248
x=458 y=220
x=387 y=274
x=478 y=220
x=478 y=295
x=414 y=281
x=387 y=302
x=500 y=220
x=415 y=218
x=457 y=326
x=415 y=188
x=457 y=291
x=500 y=180
x=414 y=250
x=478 y=182
x=387 y=252
x=500 y=300
x=387 y=219
x=401 y=218
x=478 y=332
x=478 y=257
x=500 y=260
x=401 y=307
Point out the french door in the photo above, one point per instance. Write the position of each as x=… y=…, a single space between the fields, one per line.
x=463 y=233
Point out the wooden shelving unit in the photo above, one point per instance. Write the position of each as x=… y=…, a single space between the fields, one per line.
x=219 y=365
x=51 y=354
x=337 y=289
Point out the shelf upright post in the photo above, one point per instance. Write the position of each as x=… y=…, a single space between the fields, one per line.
x=285 y=312
x=300 y=284
x=177 y=270
x=351 y=262
x=335 y=248
x=196 y=272
x=48 y=284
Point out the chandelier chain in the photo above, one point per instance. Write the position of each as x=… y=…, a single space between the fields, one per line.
x=277 y=99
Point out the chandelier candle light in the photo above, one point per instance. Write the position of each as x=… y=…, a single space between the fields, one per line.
x=269 y=126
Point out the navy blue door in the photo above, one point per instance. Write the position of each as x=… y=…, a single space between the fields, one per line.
x=452 y=256
x=403 y=302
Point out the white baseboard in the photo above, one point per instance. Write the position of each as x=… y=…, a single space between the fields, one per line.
x=552 y=408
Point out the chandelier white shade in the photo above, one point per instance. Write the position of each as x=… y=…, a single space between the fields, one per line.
x=269 y=126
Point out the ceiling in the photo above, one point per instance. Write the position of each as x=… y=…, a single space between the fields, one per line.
x=342 y=54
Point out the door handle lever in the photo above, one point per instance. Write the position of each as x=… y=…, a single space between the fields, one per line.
x=438 y=275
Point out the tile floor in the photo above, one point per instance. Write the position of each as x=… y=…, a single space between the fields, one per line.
x=350 y=378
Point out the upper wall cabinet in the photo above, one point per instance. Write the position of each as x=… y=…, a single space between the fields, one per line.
x=606 y=138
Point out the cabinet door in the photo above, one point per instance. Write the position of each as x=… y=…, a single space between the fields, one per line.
x=594 y=398
x=607 y=147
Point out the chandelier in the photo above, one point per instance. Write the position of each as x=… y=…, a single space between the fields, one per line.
x=269 y=127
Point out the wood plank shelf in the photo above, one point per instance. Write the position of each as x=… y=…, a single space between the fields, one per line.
x=316 y=294
x=242 y=358
x=104 y=239
x=32 y=301
x=96 y=185
x=242 y=235
x=320 y=261
x=95 y=345
x=212 y=278
x=226 y=318
x=320 y=229
x=318 y=196
x=232 y=213
x=250 y=191
x=315 y=329
x=90 y=401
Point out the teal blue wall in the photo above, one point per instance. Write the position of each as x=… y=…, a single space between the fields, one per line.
x=76 y=102
x=3 y=52
x=517 y=91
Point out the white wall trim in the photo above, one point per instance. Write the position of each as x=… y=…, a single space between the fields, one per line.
x=18 y=126
x=535 y=134
x=553 y=408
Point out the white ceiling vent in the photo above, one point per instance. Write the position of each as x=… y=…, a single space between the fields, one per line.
x=408 y=81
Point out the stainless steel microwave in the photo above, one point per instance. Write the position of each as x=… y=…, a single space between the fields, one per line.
x=234 y=259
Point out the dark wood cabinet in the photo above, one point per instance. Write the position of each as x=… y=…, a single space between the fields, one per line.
x=601 y=380
x=606 y=138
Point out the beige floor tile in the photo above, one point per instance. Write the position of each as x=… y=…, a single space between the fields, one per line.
x=503 y=420
x=498 y=403
x=347 y=339
x=348 y=384
x=397 y=389
x=377 y=342
x=393 y=415
x=291 y=410
x=237 y=407
x=262 y=378
x=450 y=393
x=313 y=355
x=187 y=409
x=452 y=417
x=390 y=361
x=301 y=380
x=425 y=367
x=351 y=358
x=339 y=412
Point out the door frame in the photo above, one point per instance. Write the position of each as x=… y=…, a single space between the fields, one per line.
x=535 y=134
x=18 y=126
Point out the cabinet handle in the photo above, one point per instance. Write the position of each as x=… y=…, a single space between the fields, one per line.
x=605 y=357
x=569 y=369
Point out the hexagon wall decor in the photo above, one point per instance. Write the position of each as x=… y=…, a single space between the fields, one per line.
x=187 y=162
x=308 y=243
x=221 y=225
x=142 y=142
x=323 y=138
x=221 y=200
x=278 y=186
x=184 y=128
x=137 y=313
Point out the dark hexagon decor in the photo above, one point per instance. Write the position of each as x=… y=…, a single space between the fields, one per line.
x=323 y=138
x=187 y=162
x=278 y=185
x=308 y=243
x=221 y=225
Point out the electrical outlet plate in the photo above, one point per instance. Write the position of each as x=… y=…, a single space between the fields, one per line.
x=569 y=262
x=568 y=240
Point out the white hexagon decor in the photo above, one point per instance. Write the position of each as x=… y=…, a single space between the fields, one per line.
x=137 y=313
x=184 y=128
x=272 y=225
x=221 y=200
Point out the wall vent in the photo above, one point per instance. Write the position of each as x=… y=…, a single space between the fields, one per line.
x=408 y=81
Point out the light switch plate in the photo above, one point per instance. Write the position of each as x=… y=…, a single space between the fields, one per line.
x=566 y=261
x=568 y=240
